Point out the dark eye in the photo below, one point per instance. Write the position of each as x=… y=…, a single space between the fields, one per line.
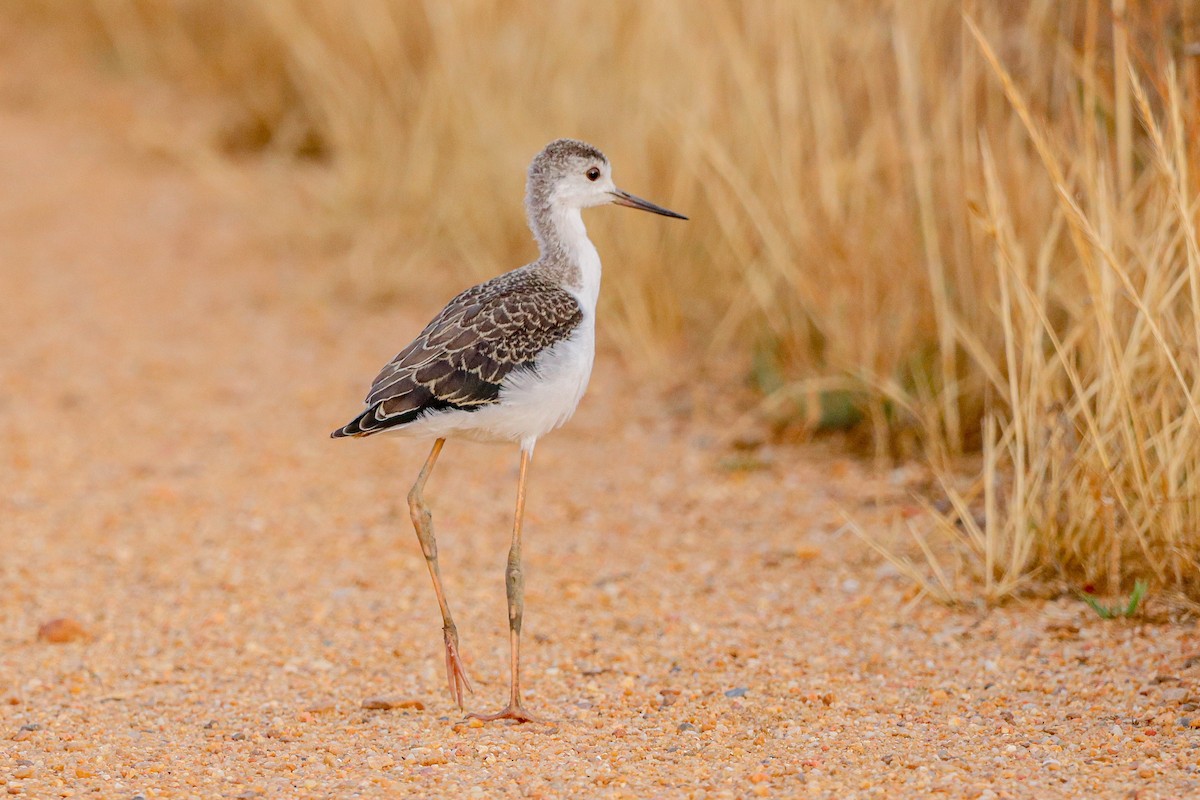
x=593 y=173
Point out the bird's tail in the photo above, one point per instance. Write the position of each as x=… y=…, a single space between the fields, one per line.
x=353 y=427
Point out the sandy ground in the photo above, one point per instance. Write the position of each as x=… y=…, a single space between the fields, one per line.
x=167 y=383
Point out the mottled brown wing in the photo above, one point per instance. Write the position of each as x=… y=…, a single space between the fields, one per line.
x=462 y=357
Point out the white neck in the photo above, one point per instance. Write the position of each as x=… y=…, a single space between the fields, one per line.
x=565 y=246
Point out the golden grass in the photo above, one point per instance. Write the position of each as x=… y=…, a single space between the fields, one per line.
x=980 y=217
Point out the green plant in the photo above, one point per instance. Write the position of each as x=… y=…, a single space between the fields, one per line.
x=1112 y=612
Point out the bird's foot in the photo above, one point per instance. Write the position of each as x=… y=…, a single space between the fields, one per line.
x=456 y=674
x=513 y=711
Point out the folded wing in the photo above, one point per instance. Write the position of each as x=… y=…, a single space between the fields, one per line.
x=461 y=358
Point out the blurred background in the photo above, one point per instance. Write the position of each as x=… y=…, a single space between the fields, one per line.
x=960 y=231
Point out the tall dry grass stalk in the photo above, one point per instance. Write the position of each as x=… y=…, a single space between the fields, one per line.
x=985 y=228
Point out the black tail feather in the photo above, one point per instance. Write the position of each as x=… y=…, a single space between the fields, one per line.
x=355 y=426
x=369 y=421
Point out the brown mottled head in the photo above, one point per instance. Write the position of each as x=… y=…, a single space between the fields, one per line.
x=564 y=152
x=570 y=174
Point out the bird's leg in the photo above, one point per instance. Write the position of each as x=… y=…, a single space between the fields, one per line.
x=514 y=582
x=422 y=520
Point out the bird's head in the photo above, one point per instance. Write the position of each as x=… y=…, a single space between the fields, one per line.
x=572 y=174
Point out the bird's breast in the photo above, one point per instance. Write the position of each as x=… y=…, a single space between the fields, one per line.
x=537 y=400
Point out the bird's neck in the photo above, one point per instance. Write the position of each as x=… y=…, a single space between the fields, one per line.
x=568 y=256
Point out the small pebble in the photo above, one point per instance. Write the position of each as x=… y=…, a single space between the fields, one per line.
x=1176 y=694
x=389 y=703
x=380 y=762
x=61 y=630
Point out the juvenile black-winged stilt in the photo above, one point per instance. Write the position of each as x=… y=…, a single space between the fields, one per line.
x=505 y=361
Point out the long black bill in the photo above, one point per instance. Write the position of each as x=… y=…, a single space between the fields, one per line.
x=629 y=201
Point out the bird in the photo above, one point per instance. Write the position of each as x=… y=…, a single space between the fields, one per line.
x=507 y=361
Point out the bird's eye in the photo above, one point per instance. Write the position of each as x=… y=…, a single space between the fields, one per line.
x=593 y=173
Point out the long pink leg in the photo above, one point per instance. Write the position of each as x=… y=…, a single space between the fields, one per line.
x=456 y=675
x=514 y=581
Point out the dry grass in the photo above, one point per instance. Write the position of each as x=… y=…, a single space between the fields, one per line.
x=1099 y=383
x=979 y=218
